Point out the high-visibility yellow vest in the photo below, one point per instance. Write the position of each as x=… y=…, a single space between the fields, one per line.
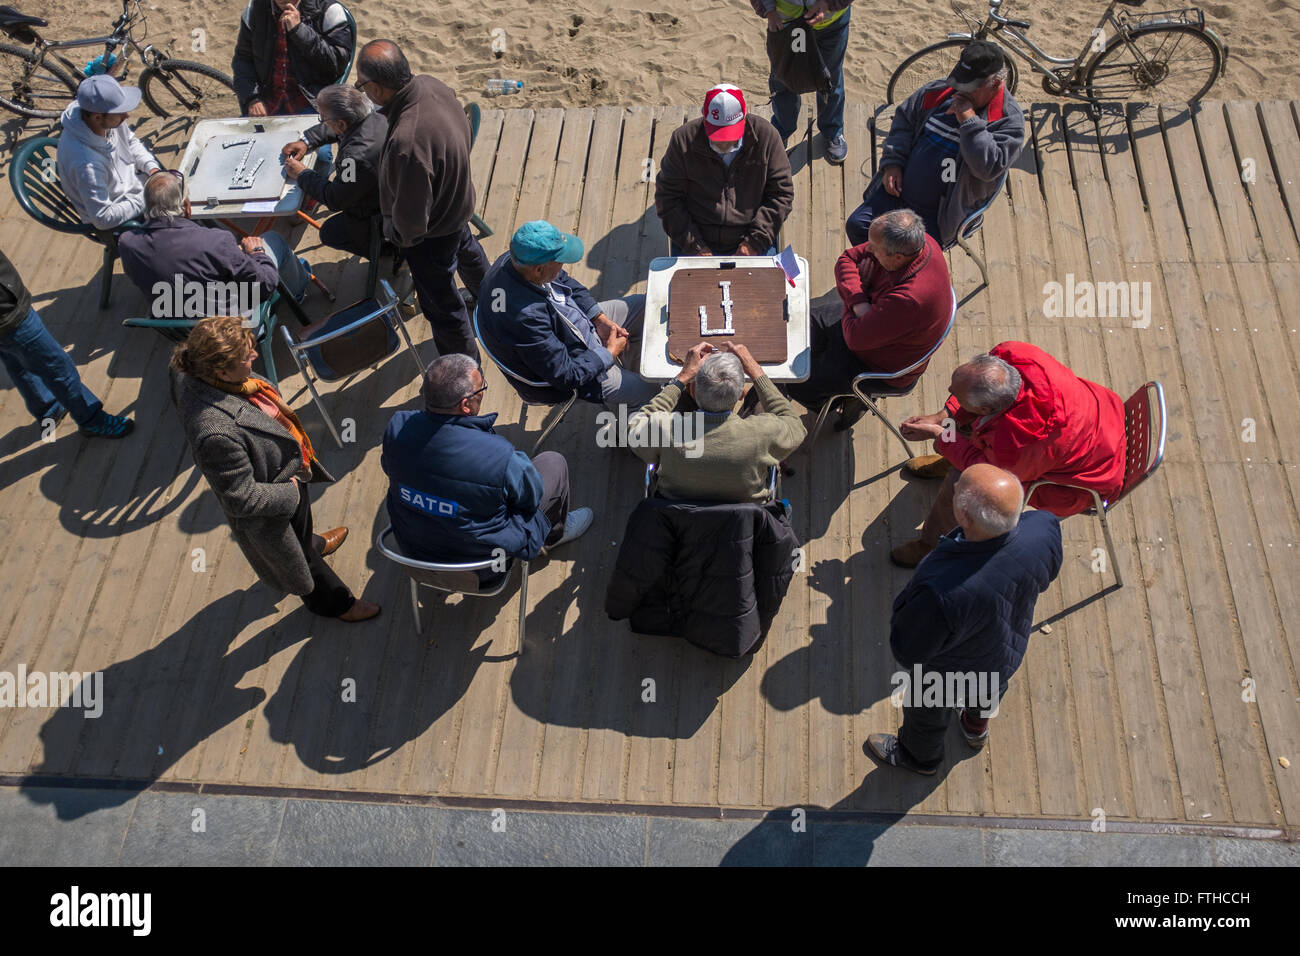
x=795 y=11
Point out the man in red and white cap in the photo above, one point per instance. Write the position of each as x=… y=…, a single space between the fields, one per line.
x=724 y=184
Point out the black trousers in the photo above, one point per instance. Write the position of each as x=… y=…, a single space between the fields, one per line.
x=434 y=264
x=330 y=597
x=833 y=365
x=349 y=233
x=924 y=729
x=555 y=491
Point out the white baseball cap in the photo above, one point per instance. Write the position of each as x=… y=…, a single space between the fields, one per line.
x=724 y=112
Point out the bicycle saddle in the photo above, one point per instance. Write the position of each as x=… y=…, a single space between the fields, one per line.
x=9 y=17
x=1132 y=3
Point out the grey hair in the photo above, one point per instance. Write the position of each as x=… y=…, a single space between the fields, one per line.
x=447 y=380
x=164 y=197
x=984 y=512
x=996 y=385
x=902 y=232
x=343 y=102
x=719 y=382
x=1003 y=74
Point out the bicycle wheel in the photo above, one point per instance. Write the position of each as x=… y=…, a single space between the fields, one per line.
x=30 y=87
x=184 y=88
x=932 y=63
x=1178 y=60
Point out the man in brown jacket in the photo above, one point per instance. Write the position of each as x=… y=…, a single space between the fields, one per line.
x=724 y=184
x=426 y=197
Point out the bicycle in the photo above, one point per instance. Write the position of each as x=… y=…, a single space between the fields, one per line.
x=38 y=80
x=1138 y=56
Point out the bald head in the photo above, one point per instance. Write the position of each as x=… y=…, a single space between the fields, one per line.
x=987 y=501
x=164 y=197
x=382 y=70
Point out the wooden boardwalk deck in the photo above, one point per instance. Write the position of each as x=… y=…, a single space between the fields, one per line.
x=1137 y=703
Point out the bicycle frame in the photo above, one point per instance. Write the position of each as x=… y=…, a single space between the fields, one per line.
x=120 y=37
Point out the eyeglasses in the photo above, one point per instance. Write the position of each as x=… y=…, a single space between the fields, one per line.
x=361 y=84
x=477 y=391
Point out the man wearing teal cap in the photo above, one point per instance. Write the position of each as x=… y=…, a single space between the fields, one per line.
x=550 y=332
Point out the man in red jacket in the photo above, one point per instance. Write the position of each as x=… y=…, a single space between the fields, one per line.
x=897 y=300
x=1020 y=409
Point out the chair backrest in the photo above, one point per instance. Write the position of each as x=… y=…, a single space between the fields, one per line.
x=882 y=376
x=972 y=223
x=462 y=577
x=361 y=335
x=1144 y=436
x=773 y=477
x=475 y=116
x=34 y=178
x=352 y=57
x=498 y=363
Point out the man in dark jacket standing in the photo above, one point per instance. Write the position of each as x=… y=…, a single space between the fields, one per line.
x=352 y=191
x=425 y=193
x=964 y=618
x=287 y=51
x=460 y=492
x=41 y=371
x=724 y=185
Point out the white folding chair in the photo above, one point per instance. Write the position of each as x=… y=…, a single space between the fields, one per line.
x=458 y=578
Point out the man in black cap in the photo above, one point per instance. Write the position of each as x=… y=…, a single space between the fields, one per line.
x=948 y=147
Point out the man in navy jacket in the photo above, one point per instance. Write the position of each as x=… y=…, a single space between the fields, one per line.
x=963 y=621
x=545 y=327
x=460 y=492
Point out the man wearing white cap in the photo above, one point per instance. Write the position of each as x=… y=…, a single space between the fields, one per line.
x=724 y=184
x=102 y=166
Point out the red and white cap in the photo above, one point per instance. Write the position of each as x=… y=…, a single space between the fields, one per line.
x=724 y=112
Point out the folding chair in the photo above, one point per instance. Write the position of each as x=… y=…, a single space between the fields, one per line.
x=453 y=579
x=863 y=393
x=1144 y=441
x=475 y=116
x=263 y=324
x=773 y=482
x=364 y=333
x=34 y=178
x=352 y=57
x=512 y=378
x=971 y=225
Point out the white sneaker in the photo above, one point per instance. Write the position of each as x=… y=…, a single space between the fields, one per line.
x=576 y=525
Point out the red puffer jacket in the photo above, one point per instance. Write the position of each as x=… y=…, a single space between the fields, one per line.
x=1061 y=428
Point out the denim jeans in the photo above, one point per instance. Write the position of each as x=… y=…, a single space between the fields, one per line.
x=292 y=274
x=832 y=42
x=619 y=385
x=44 y=375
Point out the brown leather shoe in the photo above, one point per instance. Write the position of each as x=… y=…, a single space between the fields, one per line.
x=331 y=540
x=928 y=466
x=909 y=555
x=360 y=611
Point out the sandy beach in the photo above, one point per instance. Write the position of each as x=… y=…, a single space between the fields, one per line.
x=656 y=52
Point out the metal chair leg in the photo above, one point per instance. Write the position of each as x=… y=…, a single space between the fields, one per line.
x=976 y=258
x=106 y=283
x=1110 y=543
x=523 y=602
x=822 y=416
x=875 y=410
x=551 y=427
x=415 y=605
x=320 y=405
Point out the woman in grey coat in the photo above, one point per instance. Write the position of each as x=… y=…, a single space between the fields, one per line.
x=258 y=459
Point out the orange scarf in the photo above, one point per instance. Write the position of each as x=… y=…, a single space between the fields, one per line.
x=264 y=396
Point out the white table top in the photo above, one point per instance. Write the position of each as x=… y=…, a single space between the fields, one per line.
x=281 y=130
x=655 y=364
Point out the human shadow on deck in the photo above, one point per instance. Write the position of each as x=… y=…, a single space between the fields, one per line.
x=162 y=703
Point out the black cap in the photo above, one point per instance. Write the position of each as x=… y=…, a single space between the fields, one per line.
x=979 y=60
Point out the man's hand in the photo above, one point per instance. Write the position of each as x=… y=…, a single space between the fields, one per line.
x=774 y=23
x=257 y=108
x=745 y=249
x=292 y=168
x=747 y=362
x=617 y=345
x=920 y=427
x=694 y=359
x=295 y=150
x=817 y=12
x=892 y=179
x=251 y=244
x=961 y=107
x=701 y=250
x=290 y=17
x=608 y=329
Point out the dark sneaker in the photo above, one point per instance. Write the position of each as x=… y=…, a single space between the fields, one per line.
x=885 y=749
x=104 y=425
x=837 y=150
x=975 y=740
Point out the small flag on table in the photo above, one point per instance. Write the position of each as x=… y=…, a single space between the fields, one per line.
x=789 y=264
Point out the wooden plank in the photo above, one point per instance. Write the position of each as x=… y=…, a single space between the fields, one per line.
x=1228 y=193
x=1194 y=197
x=1283 y=144
x=1158 y=184
x=1256 y=151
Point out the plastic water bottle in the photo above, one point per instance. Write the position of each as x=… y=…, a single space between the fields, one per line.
x=503 y=87
x=100 y=64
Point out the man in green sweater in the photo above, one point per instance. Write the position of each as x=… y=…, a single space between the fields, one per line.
x=731 y=455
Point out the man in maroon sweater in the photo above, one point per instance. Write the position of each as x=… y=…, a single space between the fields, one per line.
x=897 y=302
